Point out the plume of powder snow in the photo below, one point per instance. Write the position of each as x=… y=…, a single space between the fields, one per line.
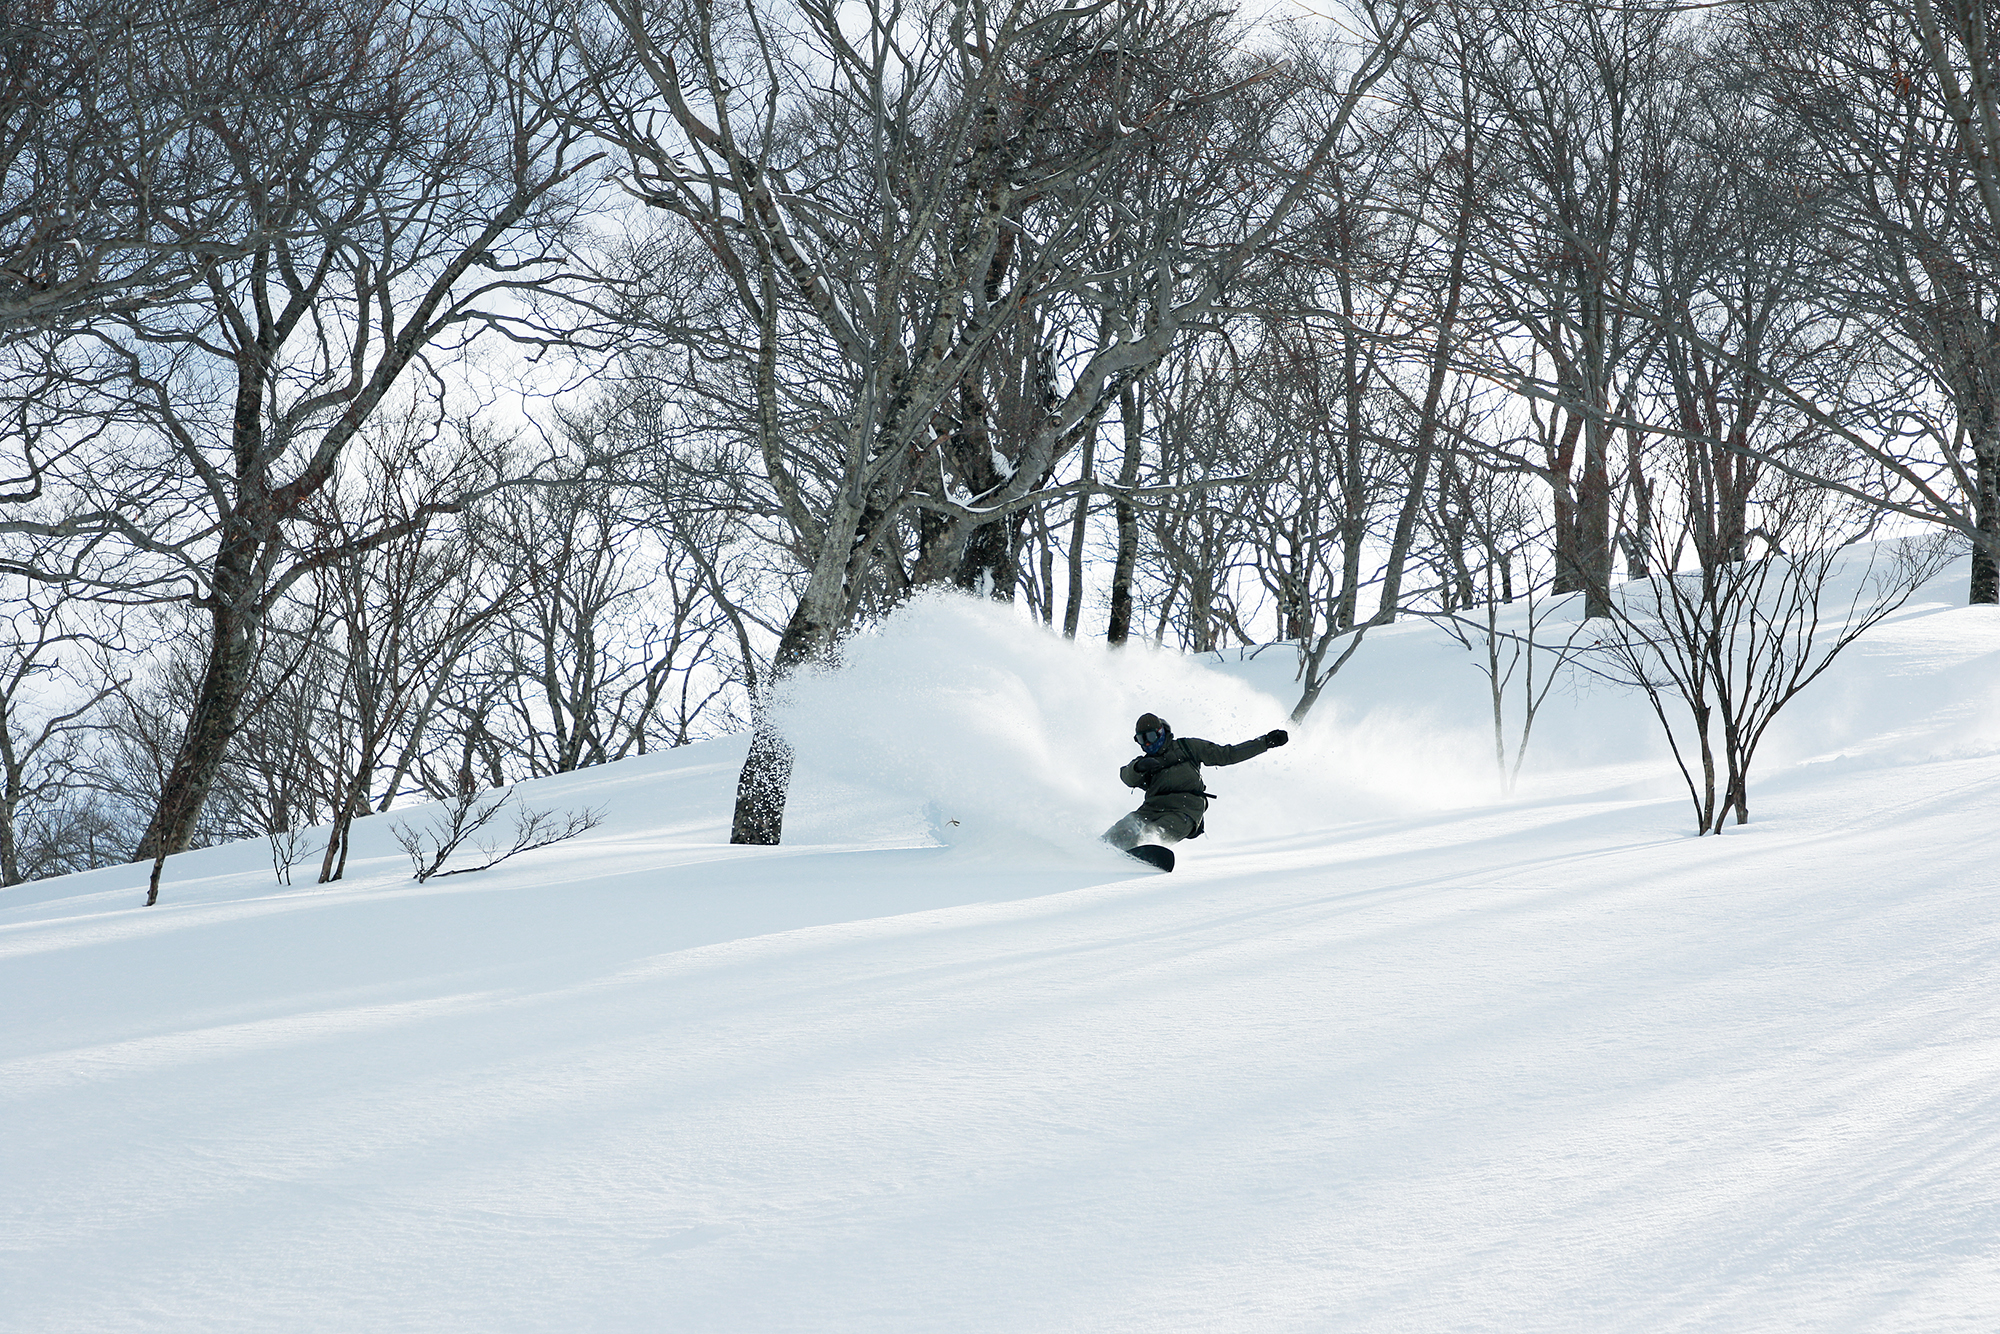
x=957 y=709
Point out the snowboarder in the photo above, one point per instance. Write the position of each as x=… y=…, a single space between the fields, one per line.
x=1170 y=773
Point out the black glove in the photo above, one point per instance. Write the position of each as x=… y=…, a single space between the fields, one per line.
x=1277 y=737
x=1148 y=765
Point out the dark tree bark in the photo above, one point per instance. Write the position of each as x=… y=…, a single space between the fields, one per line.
x=1131 y=410
x=233 y=643
x=1073 y=600
x=1985 y=586
x=765 y=779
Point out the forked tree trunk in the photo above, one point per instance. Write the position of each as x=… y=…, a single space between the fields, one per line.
x=987 y=567
x=1569 y=565
x=1705 y=810
x=354 y=801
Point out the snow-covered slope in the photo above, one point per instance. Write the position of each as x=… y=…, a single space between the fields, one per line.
x=1387 y=1053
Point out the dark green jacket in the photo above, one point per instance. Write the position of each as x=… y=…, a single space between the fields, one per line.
x=1178 y=787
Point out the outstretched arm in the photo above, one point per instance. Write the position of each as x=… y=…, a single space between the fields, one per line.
x=1207 y=752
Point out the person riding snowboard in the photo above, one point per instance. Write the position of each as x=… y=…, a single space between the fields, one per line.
x=1170 y=773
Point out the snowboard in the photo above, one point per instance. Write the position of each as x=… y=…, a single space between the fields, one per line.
x=1153 y=855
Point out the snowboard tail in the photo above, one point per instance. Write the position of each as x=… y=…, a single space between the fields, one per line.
x=1153 y=855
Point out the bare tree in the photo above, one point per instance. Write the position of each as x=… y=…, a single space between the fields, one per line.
x=1898 y=111
x=1720 y=650
x=1203 y=537
x=53 y=677
x=886 y=199
x=1563 y=94
x=465 y=823
x=612 y=627
x=79 y=831
x=107 y=200
x=1132 y=431
x=1499 y=609
x=403 y=613
x=1732 y=266
x=402 y=195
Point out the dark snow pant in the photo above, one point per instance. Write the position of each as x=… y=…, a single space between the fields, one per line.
x=1150 y=824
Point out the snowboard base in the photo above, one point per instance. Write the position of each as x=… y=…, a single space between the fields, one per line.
x=1153 y=855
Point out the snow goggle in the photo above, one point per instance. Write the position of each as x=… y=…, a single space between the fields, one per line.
x=1151 y=741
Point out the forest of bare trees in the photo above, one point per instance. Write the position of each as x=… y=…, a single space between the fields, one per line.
x=408 y=397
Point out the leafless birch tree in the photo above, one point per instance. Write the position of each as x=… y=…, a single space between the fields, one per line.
x=887 y=193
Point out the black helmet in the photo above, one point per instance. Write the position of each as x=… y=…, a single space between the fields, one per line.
x=1152 y=733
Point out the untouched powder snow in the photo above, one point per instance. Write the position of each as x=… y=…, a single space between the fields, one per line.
x=1388 y=1053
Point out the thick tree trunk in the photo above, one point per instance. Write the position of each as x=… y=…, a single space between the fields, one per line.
x=1985 y=589
x=1405 y=531
x=234 y=622
x=987 y=569
x=1735 y=798
x=764 y=782
x=205 y=744
x=1593 y=521
x=10 y=848
x=762 y=787
x=1705 y=812
x=815 y=626
x=1638 y=534
x=333 y=865
x=10 y=803
x=1045 y=559
x=1570 y=567
x=986 y=562
x=1568 y=577
x=1201 y=610
x=1425 y=447
x=1353 y=535
x=1130 y=409
x=1073 y=604
x=1734 y=478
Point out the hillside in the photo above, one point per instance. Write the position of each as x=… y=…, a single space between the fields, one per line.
x=1389 y=1052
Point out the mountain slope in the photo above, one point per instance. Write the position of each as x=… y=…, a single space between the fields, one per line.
x=1387 y=1053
